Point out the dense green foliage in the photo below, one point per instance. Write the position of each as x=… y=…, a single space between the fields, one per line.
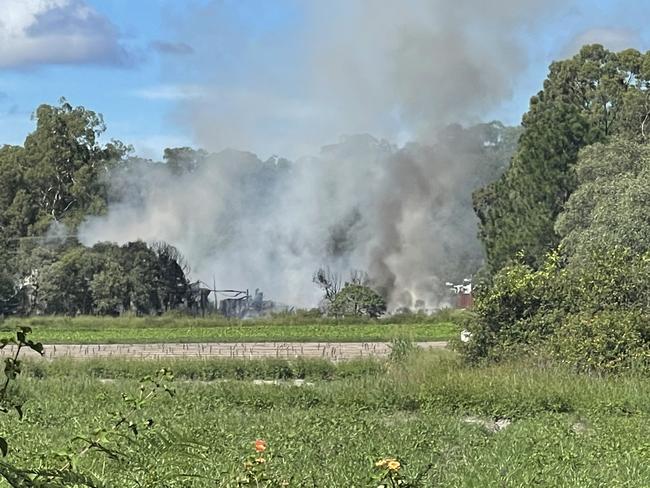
x=7 y=292
x=108 y=279
x=355 y=300
x=56 y=176
x=48 y=186
x=566 y=431
x=588 y=303
x=609 y=206
x=588 y=98
x=590 y=318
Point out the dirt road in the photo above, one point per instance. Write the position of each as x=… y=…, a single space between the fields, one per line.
x=328 y=350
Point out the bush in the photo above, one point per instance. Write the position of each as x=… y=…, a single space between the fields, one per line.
x=401 y=349
x=611 y=341
x=582 y=312
x=358 y=300
x=506 y=320
x=7 y=293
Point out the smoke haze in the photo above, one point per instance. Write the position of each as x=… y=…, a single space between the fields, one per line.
x=396 y=70
x=401 y=71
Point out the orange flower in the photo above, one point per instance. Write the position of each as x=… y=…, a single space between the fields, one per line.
x=260 y=445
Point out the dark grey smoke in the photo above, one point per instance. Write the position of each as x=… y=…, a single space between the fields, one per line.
x=402 y=214
x=401 y=71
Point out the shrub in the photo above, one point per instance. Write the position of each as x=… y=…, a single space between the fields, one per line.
x=401 y=349
x=611 y=341
x=581 y=311
x=358 y=300
x=506 y=313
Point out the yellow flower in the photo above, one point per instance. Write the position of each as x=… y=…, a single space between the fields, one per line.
x=393 y=465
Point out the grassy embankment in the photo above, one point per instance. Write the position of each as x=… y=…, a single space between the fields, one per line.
x=566 y=431
x=283 y=328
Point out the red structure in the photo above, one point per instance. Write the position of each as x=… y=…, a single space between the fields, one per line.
x=465 y=300
x=464 y=297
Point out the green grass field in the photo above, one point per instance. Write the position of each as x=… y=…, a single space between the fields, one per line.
x=106 y=330
x=566 y=430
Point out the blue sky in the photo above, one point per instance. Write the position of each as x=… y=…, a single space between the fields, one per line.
x=146 y=64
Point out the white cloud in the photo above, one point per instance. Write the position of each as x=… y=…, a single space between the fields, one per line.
x=34 y=32
x=169 y=92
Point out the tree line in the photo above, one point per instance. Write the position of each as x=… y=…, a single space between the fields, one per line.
x=63 y=174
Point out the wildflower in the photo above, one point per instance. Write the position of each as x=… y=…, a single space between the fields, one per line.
x=260 y=460
x=260 y=445
x=393 y=465
x=381 y=463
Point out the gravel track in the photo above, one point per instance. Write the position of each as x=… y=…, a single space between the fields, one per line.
x=334 y=351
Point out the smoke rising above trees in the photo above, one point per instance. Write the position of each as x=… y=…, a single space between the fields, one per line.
x=398 y=72
x=392 y=197
x=402 y=214
x=378 y=202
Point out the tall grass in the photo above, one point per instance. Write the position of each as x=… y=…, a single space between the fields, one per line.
x=205 y=369
x=427 y=381
x=567 y=431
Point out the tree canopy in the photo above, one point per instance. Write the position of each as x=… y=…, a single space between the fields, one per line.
x=109 y=279
x=610 y=205
x=355 y=300
x=586 y=99
x=57 y=175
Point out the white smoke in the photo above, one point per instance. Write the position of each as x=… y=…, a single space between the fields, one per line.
x=399 y=70
x=403 y=215
x=57 y=232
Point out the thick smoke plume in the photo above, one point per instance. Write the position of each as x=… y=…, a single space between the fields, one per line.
x=404 y=215
x=398 y=70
